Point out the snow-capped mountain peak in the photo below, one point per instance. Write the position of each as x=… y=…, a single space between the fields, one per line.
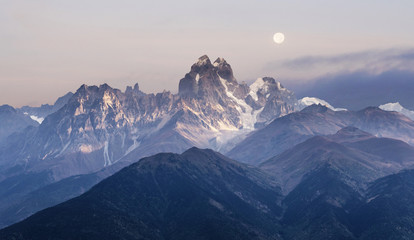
x=397 y=107
x=308 y=101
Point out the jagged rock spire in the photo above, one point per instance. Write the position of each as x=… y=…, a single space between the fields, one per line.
x=204 y=74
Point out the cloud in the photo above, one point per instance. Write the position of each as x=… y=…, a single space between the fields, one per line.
x=354 y=80
x=372 y=62
x=357 y=90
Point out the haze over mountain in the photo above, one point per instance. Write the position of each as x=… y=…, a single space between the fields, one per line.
x=360 y=89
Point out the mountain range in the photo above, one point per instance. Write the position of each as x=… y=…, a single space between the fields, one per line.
x=302 y=169
x=287 y=131
x=98 y=126
x=201 y=194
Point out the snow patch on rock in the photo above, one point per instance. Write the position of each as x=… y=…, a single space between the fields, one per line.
x=247 y=116
x=255 y=87
x=107 y=159
x=35 y=118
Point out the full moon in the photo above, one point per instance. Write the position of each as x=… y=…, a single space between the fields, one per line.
x=279 y=38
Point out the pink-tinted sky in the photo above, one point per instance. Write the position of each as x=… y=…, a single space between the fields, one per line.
x=50 y=47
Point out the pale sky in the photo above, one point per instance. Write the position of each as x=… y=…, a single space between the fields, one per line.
x=50 y=47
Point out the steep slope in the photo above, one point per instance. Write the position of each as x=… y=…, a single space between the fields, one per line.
x=13 y=121
x=285 y=132
x=196 y=195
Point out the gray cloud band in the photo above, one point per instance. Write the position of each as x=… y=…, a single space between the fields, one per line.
x=374 y=61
